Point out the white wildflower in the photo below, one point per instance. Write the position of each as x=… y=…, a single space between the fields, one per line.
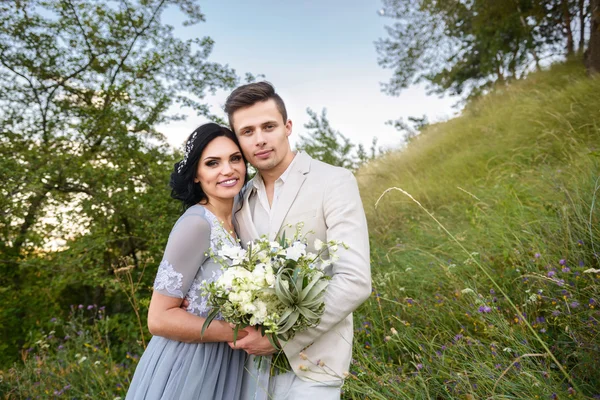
x=295 y=251
x=591 y=271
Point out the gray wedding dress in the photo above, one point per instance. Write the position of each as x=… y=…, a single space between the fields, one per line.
x=173 y=370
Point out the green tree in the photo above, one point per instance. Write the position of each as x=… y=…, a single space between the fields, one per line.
x=411 y=129
x=325 y=143
x=467 y=46
x=83 y=85
x=593 y=55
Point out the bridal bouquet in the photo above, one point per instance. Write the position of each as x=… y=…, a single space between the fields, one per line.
x=277 y=285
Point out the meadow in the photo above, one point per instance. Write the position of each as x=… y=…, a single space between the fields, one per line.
x=485 y=249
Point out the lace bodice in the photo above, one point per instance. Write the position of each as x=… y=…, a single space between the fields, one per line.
x=186 y=264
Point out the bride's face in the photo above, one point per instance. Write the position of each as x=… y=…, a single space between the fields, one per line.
x=221 y=169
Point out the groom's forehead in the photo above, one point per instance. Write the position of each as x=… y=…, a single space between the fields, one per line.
x=257 y=114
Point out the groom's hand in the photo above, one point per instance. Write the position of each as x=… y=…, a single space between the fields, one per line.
x=254 y=343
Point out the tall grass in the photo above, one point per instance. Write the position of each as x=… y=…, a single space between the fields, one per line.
x=515 y=181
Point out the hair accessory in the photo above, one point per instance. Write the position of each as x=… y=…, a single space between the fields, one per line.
x=188 y=149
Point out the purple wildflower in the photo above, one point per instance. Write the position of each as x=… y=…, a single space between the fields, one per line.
x=90 y=307
x=574 y=304
x=566 y=269
x=419 y=366
x=53 y=320
x=484 y=309
x=80 y=306
x=492 y=291
x=551 y=274
x=562 y=261
x=537 y=255
x=555 y=313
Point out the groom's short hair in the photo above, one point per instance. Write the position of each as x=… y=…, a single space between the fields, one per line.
x=250 y=94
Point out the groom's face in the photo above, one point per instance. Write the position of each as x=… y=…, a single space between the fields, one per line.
x=263 y=135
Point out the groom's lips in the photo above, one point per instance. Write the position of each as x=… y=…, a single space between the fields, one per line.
x=263 y=154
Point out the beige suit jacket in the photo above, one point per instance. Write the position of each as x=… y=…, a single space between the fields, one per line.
x=326 y=199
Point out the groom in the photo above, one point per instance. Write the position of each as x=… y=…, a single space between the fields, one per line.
x=290 y=188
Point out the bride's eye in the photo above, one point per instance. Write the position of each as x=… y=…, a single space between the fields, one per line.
x=211 y=163
x=236 y=158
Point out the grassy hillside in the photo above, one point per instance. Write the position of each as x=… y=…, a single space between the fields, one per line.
x=514 y=180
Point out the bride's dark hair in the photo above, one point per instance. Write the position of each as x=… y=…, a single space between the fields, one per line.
x=182 y=182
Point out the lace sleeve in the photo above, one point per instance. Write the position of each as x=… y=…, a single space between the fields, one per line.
x=184 y=255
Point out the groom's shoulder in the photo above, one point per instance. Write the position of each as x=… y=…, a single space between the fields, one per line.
x=322 y=170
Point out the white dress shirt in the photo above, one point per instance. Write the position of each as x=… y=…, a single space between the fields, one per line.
x=262 y=212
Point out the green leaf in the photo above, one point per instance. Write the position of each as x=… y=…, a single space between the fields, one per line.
x=209 y=318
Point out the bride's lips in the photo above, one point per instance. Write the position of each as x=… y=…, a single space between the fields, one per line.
x=229 y=182
x=263 y=154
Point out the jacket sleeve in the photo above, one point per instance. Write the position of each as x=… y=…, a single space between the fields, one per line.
x=350 y=285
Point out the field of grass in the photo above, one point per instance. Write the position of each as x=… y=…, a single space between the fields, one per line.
x=485 y=263
x=488 y=286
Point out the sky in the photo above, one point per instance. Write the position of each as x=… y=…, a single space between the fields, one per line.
x=317 y=54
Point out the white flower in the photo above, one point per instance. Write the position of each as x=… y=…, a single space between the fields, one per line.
x=591 y=271
x=318 y=244
x=82 y=359
x=270 y=277
x=234 y=253
x=260 y=310
x=295 y=251
x=467 y=290
x=248 y=308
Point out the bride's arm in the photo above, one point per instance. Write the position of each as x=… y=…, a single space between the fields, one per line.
x=185 y=253
x=167 y=319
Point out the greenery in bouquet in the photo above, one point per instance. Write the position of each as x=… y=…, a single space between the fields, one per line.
x=278 y=286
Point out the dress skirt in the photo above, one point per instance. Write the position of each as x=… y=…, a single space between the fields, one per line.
x=172 y=370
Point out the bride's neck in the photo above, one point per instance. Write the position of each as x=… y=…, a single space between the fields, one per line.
x=222 y=209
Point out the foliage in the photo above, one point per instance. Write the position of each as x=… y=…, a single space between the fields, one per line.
x=328 y=145
x=73 y=358
x=466 y=47
x=83 y=86
x=410 y=131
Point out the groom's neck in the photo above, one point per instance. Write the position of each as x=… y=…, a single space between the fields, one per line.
x=271 y=175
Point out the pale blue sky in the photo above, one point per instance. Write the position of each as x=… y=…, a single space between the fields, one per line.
x=317 y=54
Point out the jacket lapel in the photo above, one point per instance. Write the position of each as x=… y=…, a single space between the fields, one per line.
x=242 y=217
x=290 y=190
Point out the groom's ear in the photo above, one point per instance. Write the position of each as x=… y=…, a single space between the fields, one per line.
x=288 y=127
